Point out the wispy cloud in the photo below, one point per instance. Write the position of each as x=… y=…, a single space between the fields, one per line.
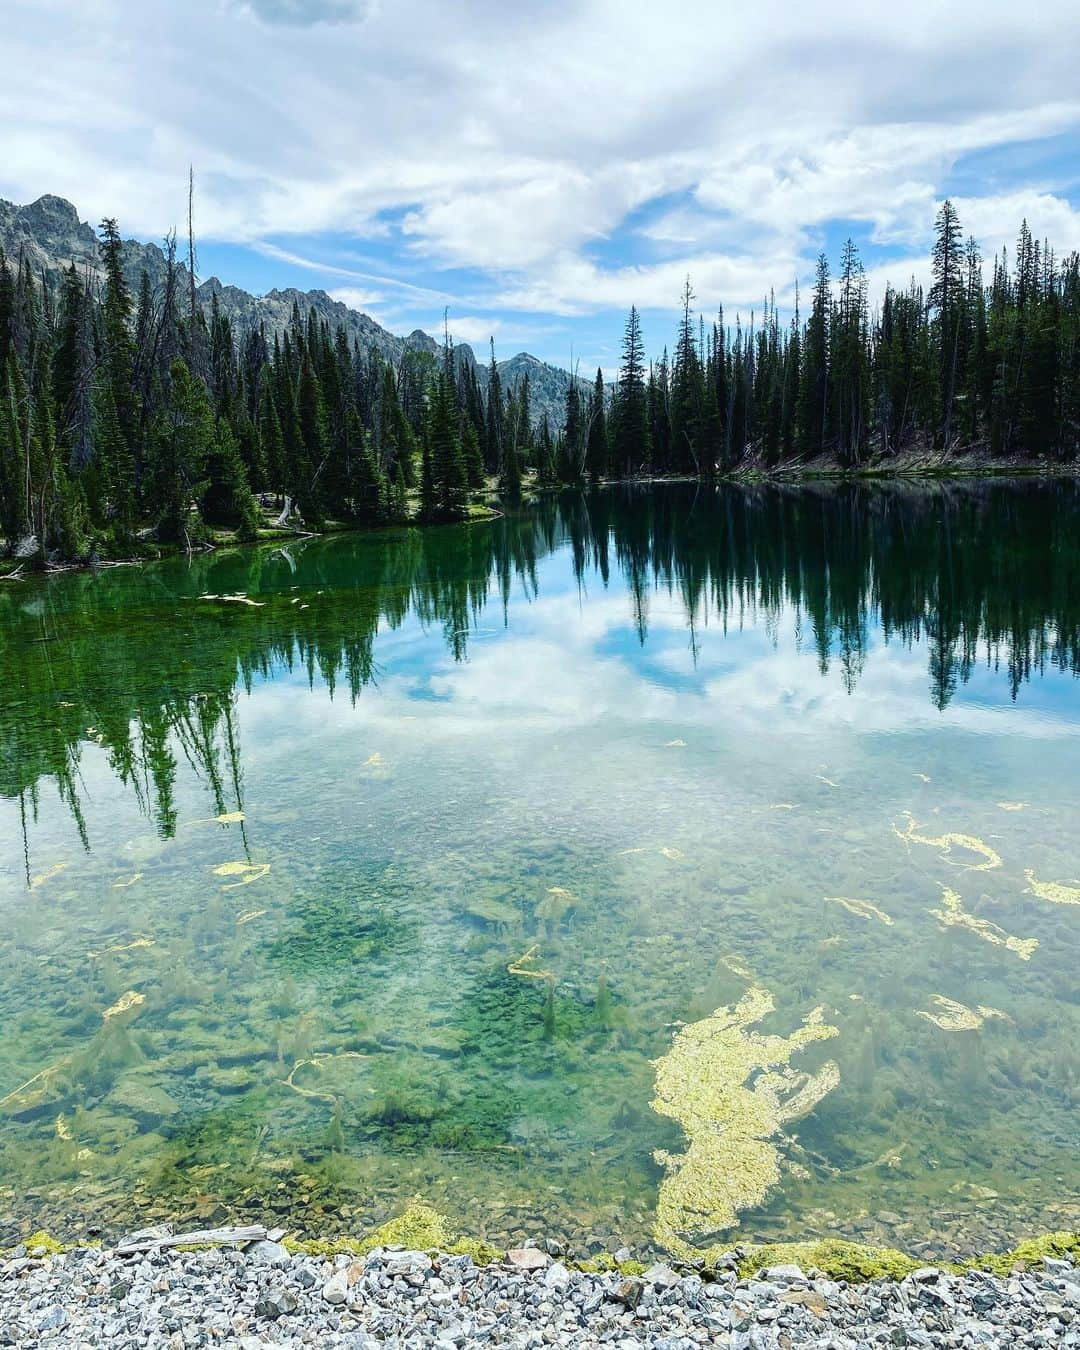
x=492 y=158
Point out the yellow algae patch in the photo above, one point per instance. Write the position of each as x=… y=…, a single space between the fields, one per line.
x=954 y=915
x=555 y=904
x=1011 y=806
x=953 y=1016
x=863 y=908
x=132 y=999
x=123 y=947
x=250 y=914
x=63 y=1129
x=947 y=842
x=1053 y=890
x=123 y=885
x=732 y=1090
x=737 y=966
x=43 y=877
x=236 y=600
x=526 y=965
x=672 y=854
x=247 y=872
x=317 y=1062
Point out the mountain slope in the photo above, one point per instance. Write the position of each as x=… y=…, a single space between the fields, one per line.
x=50 y=234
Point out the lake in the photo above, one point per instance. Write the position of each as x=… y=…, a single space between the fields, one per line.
x=655 y=864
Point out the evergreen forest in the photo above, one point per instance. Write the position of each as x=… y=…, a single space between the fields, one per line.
x=132 y=421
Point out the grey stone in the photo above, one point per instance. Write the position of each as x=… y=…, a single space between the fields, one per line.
x=53 y=1320
x=406 y=1263
x=785 y=1275
x=276 y=1303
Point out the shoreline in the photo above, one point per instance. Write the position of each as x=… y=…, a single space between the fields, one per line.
x=903 y=470
x=251 y=1289
x=421 y=1227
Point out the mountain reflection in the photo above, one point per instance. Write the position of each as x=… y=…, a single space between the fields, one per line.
x=147 y=663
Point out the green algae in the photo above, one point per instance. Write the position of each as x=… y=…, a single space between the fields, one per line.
x=605 y=1264
x=855 y=1263
x=834 y=1257
x=1032 y=1252
x=43 y=1244
x=418 y=1228
x=338 y=928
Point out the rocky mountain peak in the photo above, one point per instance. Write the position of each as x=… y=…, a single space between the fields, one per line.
x=50 y=235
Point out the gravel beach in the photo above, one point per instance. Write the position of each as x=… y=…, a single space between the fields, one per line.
x=263 y=1295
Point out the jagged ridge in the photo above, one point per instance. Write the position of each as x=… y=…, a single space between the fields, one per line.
x=50 y=233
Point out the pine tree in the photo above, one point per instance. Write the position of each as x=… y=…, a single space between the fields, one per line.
x=311 y=412
x=181 y=440
x=119 y=346
x=687 y=395
x=227 y=498
x=494 y=418
x=572 y=449
x=946 y=300
x=631 y=428
x=813 y=397
x=470 y=445
x=596 y=454
x=272 y=441
x=448 y=475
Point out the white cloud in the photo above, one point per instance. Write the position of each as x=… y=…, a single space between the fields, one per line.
x=520 y=140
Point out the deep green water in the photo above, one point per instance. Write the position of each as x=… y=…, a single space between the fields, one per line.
x=637 y=737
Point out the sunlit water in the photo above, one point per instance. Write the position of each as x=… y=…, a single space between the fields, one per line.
x=502 y=808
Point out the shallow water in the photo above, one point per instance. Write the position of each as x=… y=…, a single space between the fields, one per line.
x=401 y=878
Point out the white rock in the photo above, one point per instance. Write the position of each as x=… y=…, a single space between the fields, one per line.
x=557 y=1277
x=336 y=1289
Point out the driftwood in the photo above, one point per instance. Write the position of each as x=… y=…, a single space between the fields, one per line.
x=203 y=1237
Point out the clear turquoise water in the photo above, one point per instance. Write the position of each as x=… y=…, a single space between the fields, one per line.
x=642 y=739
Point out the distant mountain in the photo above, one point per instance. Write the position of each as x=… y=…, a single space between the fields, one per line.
x=50 y=233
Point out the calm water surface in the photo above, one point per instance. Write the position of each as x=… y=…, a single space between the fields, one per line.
x=410 y=876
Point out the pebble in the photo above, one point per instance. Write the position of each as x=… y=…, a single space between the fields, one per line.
x=264 y=1298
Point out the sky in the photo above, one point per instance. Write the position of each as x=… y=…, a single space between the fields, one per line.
x=536 y=168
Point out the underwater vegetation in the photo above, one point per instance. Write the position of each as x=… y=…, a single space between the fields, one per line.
x=457 y=978
x=955 y=915
x=947 y=842
x=953 y=1016
x=1054 y=891
x=732 y=1089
